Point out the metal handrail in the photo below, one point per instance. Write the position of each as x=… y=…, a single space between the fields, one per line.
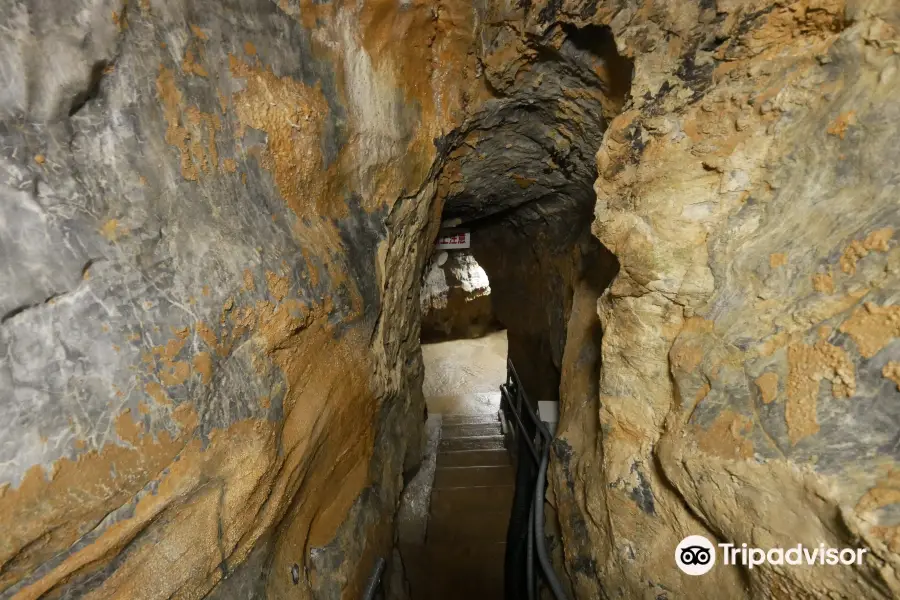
x=513 y=388
x=504 y=392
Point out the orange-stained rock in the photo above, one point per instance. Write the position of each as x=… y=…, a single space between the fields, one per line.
x=210 y=386
x=204 y=391
x=747 y=184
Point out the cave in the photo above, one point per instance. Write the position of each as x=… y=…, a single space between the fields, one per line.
x=517 y=177
x=221 y=291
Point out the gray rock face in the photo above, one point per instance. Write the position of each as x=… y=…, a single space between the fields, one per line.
x=456 y=298
x=199 y=204
x=536 y=142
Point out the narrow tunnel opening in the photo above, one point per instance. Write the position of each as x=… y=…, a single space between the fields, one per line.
x=597 y=45
x=518 y=183
x=456 y=294
x=464 y=344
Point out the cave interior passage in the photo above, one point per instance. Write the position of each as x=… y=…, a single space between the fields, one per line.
x=518 y=179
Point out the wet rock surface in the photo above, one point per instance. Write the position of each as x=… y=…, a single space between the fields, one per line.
x=743 y=391
x=200 y=206
x=215 y=220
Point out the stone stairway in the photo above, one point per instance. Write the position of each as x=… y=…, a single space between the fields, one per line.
x=469 y=510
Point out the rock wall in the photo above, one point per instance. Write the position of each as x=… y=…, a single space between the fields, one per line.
x=456 y=298
x=534 y=267
x=747 y=389
x=206 y=211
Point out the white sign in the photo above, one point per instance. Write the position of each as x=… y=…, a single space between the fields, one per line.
x=456 y=241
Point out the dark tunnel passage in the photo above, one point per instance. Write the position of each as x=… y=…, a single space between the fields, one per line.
x=519 y=178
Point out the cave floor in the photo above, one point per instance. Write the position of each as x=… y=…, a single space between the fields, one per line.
x=464 y=376
x=462 y=554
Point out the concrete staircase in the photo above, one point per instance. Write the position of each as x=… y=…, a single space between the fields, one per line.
x=470 y=503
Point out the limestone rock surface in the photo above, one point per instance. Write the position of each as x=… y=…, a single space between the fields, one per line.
x=746 y=385
x=201 y=203
x=456 y=298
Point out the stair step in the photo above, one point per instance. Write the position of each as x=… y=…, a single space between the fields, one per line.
x=454 y=571
x=448 y=420
x=470 y=430
x=481 y=582
x=451 y=477
x=479 y=403
x=465 y=553
x=454 y=501
x=473 y=458
x=489 y=442
x=471 y=527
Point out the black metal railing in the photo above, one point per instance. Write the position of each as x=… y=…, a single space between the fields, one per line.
x=526 y=547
